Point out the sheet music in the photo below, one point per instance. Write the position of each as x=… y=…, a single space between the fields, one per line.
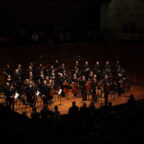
x=37 y=93
x=60 y=91
x=16 y=95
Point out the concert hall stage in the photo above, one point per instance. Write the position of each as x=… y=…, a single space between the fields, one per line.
x=65 y=102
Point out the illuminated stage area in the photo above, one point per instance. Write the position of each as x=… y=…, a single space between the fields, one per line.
x=68 y=55
x=65 y=103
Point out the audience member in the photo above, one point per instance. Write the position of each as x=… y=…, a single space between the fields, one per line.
x=34 y=113
x=74 y=110
x=56 y=113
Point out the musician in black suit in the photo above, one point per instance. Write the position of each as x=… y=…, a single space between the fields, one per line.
x=9 y=93
x=56 y=65
x=83 y=88
x=96 y=68
x=93 y=87
x=120 y=83
x=45 y=91
x=86 y=69
x=17 y=78
x=7 y=70
x=106 y=83
x=117 y=67
x=107 y=65
x=77 y=65
x=30 y=94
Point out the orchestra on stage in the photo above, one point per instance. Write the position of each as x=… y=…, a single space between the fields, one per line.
x=79 y=79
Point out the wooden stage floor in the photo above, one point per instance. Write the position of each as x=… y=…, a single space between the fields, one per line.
x=64 y=103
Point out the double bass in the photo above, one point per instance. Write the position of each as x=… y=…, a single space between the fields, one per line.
x=65 y=87
x=74 y=88
x=88 y=86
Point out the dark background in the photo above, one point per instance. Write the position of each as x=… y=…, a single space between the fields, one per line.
x=50 y=11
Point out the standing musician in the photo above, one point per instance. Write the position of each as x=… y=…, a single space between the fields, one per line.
x=86 y=69
x=17 y=79
x=83 y=88
x=56 y=65
x=77 y=66
x=94 y=85
x=7 y=71
x=19 y=67
x=117 y=67
x=106 y=83
x=120 y=83
x=30 y=95
x=61 y=68
x=9 y=79
x=97 y=68
x=125 y=79
x=107 y=65
x=39 y=69
x=88 y=87
x=46 y=92
x=9 y=93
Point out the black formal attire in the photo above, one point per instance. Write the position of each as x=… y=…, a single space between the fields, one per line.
x=93 y=87
x=86 y=69
x=45 y=91
x=106 y=90
x=96 y=69
x=83 y=90
x=30 y=94
x=9 y=93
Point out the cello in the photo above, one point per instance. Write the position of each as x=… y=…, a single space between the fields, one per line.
x=88 y=87
x=74 y=88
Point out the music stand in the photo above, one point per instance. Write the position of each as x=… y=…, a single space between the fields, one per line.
x=16 y=95
x=16 y=98
x=59 y=93
x=37 y=95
